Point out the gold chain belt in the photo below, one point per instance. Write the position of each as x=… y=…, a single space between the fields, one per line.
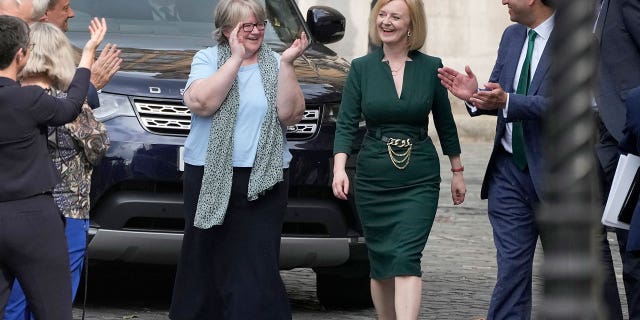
x=399 y=158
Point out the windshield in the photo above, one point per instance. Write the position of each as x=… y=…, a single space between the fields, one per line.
x=184 y=24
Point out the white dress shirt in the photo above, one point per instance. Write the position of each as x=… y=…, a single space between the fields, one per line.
x=543 y=32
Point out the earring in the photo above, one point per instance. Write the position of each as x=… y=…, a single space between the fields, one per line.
x=408 y=34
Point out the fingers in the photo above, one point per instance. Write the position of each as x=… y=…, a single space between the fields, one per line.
x=467 y=69
x=340 y=188
x=304 y=41
x=458 y=196
x=97 y=30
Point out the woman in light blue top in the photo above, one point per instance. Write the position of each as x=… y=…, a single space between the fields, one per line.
x=242 y=96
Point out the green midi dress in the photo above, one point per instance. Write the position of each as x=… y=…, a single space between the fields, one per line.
x=396 y=206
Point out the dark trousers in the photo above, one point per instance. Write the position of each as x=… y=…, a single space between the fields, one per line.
x=231 y=271
x=512 y=204
x=608 y=154
x=33 y=249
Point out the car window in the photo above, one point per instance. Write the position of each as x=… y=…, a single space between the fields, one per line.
x=191 y=18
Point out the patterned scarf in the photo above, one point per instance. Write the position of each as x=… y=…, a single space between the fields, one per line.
x=218 y=171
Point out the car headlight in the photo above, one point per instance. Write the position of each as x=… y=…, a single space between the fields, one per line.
x=330 y=114
x=113 y=105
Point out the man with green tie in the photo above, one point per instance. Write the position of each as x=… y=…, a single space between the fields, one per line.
x=517 y=94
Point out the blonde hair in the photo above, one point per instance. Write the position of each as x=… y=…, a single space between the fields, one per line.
x=52 y=55
x=229 y=13
x=417 y=26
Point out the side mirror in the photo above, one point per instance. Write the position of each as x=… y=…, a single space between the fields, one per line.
x=326 y=24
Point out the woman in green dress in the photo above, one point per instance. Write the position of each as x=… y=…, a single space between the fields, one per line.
x=397 y=172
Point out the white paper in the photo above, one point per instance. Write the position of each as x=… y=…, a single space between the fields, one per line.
x=625 y=172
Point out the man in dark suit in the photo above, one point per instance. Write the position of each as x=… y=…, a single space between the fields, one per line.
x=617 y=29
x=631 y=144
x=518 y=94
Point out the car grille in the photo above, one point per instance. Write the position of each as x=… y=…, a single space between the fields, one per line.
x=173 y=118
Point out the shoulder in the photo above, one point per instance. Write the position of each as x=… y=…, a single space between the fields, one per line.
x=209 y=54
x=425 y=59
x=371 y=57
x=514 y=30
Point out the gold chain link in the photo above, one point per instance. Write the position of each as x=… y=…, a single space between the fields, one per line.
x=399 y=159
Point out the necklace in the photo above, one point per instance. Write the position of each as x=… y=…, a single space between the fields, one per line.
x=394 y=72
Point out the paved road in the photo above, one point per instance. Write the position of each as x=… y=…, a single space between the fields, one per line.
x=458 y=264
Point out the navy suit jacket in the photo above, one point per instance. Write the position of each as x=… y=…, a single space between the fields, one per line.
x=618 y=30
x=526 y=108
x=631 y=144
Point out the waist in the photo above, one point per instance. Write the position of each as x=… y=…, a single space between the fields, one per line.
x=391 y=134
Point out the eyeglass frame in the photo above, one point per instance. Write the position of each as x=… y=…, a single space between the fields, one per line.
x=245 y=26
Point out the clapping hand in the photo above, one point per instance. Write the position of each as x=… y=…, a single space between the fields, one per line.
x=296 y=49
x=97 y=30
x=107 y=64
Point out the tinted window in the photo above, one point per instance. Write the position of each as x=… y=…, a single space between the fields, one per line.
x=143 y=20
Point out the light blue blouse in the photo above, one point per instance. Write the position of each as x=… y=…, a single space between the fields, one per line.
x=253 y=108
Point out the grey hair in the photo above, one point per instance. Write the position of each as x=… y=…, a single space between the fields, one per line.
x=228 y=13
x=39 y=9
x=52 y=55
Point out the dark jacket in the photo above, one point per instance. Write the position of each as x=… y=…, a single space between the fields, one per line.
x=25 y=112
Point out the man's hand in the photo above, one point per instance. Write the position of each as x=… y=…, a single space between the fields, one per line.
x=107 y=64
x=493 y=98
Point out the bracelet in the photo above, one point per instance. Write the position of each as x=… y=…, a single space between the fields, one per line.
x=457 y=169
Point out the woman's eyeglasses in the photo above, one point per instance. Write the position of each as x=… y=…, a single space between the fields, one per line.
x=248 y=27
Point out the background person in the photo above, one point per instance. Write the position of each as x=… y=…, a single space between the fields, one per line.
x=518 y=95
x=108 y=62
x=397 y=181
x=618 y=33
x=631 y=144
x=32 y=244
x=74 y=148
x=241 y=96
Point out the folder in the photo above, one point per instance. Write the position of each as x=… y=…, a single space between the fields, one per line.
x=624 y=193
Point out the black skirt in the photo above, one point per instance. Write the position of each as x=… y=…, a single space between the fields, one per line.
x=231 y=271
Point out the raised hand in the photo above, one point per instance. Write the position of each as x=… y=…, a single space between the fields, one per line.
x=460 y=85
x=97 y=30
x=236 y=43
x=296 y=49
x=107 y=64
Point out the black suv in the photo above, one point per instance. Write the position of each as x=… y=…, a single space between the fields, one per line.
x=136 y=194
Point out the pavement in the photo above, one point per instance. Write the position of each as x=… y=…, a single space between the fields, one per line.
x=458 y=263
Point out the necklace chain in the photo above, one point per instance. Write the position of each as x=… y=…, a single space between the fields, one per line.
x=394 y=72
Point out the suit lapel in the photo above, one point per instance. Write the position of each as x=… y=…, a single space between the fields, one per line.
x=512 y=58
x=543 y=66
x=602 y=16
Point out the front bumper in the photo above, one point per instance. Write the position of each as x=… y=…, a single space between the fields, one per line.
x=164 y=248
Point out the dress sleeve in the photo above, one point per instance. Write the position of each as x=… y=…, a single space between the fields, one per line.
x=443 y=119
x=350 y=111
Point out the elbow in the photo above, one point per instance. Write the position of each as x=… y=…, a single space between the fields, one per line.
x=293 y=116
